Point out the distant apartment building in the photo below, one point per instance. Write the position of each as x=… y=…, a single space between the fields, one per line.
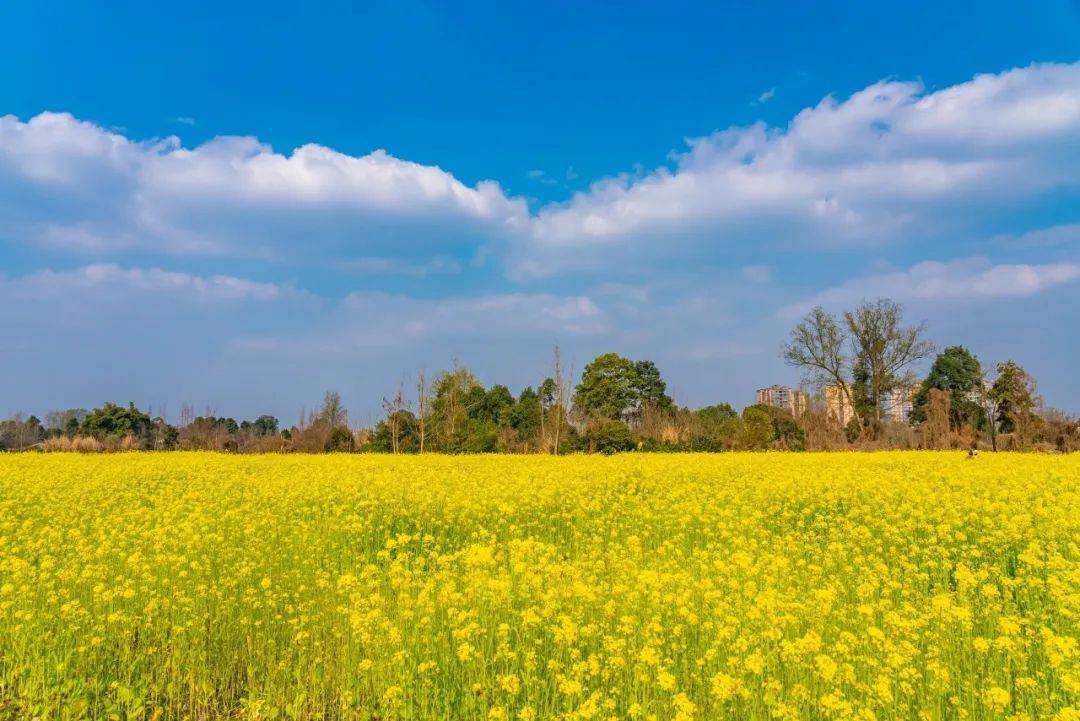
x=898 y=403
x=837 y=405
x=896 y=406
x=793 y=401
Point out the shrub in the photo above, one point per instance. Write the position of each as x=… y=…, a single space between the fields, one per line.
x=610 y=436
x=340 y=440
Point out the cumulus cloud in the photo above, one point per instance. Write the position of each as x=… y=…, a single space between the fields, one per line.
x=966 y=279
x=887 y=162
x=72 y=184
x=892 y=161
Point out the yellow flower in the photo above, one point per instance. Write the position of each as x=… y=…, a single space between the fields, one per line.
x=601 y=587
x=510 y=683
x=725 y=687
x=684 y=707
x=569 y=686
x=996 y=698
x=391 y=696
x=754 y=663
x=826 y=667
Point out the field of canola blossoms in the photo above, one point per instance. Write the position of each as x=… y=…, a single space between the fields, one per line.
x=741 y=586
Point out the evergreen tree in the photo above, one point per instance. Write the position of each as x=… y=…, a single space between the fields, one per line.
x=958 y=371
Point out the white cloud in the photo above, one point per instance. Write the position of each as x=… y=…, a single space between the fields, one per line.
x=967 y=279
x=888 y=162
x=1054 y=236
x=757 y=273
x=765 y=97
x=891 y=162
x=541 y=177
x=484 y=315
x=375 y=265
x=376 y=320
x=91 y=285
x=184 y=120
x=72 y=184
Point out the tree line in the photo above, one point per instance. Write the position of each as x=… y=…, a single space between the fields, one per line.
x=854 y=363
x=867 y=354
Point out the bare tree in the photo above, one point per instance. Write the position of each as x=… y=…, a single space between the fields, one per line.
x=818 y=346
x=453 y=383
x=540 y=395
x=333 y=411
x=562 y=398
x=395 y=407
x=885 y=346
x=990 y=404
x=422 y=405
x=880 y=346
x=935 y=430
x=187 y=415
x=559 y=408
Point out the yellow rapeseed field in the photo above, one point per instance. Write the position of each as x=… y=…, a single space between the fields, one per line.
x=738 y=586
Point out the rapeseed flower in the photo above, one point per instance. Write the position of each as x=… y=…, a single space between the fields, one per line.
x=667 y=587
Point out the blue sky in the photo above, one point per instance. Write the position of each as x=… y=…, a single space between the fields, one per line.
x=240 y=205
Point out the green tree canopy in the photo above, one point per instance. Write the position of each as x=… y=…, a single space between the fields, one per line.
x=407 y=427
x=454 y=392
x=757 y=428
x=524 y=415
x=608 y=387
x=649 y=387
x=718 y=428
x=614 y=387
x=113 y=422
x=958 y=371
x=786 y=432
x=491 y=405
x=264 y=425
